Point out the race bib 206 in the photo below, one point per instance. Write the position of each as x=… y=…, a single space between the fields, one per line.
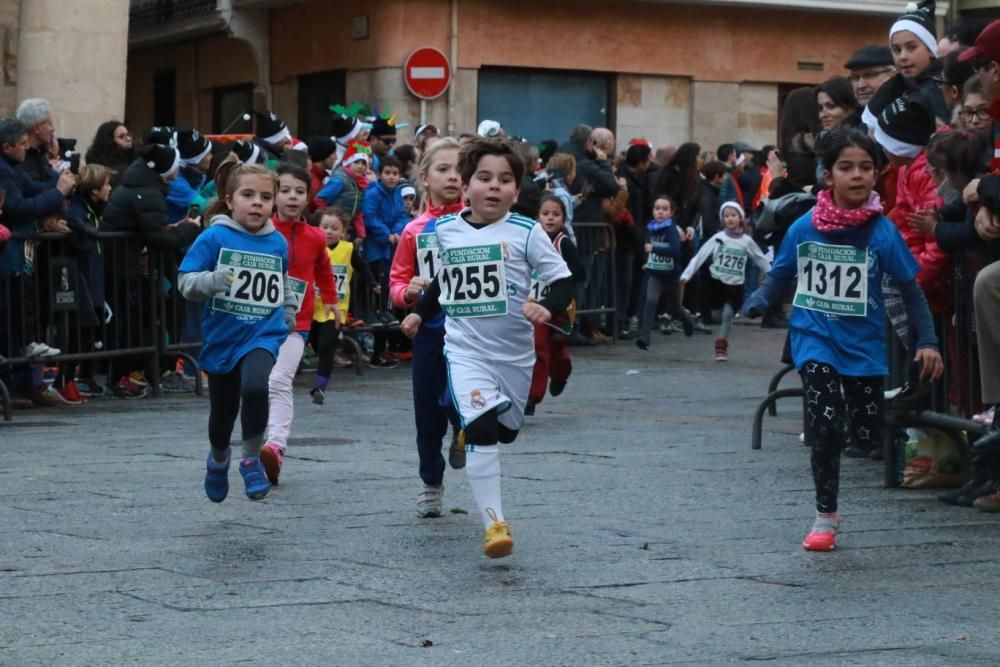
x=256 y=290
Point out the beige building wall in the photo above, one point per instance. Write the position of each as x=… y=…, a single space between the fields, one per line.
x=74 y=54
x=657 y=108
x=10 y=12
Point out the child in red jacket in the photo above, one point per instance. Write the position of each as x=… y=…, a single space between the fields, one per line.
x=309 y=271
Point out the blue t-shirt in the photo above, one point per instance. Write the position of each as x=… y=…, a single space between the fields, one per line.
x=231 y=329
x=853 y=344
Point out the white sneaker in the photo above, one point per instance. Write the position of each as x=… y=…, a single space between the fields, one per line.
x=40 y=350
x=429 y=501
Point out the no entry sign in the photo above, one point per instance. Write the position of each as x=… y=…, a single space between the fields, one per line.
x=427 y=73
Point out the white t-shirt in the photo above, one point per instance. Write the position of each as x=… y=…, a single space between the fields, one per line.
x=729 y=258
x=485 y=279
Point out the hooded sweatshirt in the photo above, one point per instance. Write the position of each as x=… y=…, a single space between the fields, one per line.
x=251 y=312
x=308 y=262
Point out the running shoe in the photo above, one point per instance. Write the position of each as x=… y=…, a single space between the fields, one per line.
x=173 y=382
x=216 y=479
x=721 y=349
x=40 y=350
x=456 y=452
x=89 y=387
x=429 y=501
x=47 y=397
x=383 y=362
x=254 y=478
x=641 y=344
x=71 y=394
x=529 y=409
x=318 y=395
x=497 y=542
x=127 y=389
x=272 y=457
x=823 y=536
x=557 y=387
x=985 y=417
x=340 y=361
x=139 y=378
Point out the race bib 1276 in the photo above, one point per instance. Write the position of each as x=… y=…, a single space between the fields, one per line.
x=473 y=281
x=257 y=288
x=833 y=279
x=730 y=261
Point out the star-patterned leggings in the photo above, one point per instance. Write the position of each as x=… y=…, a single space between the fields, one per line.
x=829 y=414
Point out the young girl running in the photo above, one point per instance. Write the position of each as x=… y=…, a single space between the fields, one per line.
x=840 y=251
x=729 y=249
x=414 y=265
x=663 y=248
x=239 y=265
x=551 y=354
x=309 y=271
x=345 y=259
x=487 y=256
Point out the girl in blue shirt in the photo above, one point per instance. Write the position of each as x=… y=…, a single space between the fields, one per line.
x=839 y=252
x=239 y=267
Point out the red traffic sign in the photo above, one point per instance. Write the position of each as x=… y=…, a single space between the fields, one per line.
x=427 y=72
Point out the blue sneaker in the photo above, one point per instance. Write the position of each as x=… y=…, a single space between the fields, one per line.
x=254 y=478
x=216 y=479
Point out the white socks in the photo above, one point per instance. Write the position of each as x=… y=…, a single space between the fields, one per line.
x=483 y=466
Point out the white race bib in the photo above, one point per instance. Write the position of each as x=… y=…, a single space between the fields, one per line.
x=833 y=279
x=340 y=277
x=539 y=289
x=656 y=262
x=257 y=288
x=298 y=288
x=473 y=281
x=729 y=261
x=428 y=256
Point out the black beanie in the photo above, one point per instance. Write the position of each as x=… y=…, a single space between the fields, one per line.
x=164 y=160
x=162 y=134
x=919 y=19
x=382 y=128
x=320 y=148
x=905 y=127
x=344 y=128
x=192 y=145
x=270 y=128
x=247 y=152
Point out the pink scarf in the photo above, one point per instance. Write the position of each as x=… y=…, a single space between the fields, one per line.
x=828 y=217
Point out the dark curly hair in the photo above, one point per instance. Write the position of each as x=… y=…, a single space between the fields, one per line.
x=104 y=151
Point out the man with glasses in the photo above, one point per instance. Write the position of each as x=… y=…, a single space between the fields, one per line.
x=870 y=66
x=382 y=138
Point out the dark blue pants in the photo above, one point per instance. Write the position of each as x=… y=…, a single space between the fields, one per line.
x=431 y=405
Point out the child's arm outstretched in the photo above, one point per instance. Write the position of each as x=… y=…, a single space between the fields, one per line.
x=703 y=254
x=758 y=257
x=198 y=277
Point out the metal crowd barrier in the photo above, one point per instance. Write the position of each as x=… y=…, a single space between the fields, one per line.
x=953 y=399
x=596 y=297
x=106 y=297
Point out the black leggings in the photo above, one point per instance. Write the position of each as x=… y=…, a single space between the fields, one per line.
x=829 y=414
x=247 y=382
x=325 y=338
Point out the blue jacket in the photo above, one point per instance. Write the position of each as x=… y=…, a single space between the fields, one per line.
x=183 y=193
x=27 y=203
x=384 y=214
x=666 y=244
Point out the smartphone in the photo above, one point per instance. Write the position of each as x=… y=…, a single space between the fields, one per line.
x=194 y=211
x=74 y=163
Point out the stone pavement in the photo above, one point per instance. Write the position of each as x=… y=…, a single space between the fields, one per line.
x=647 y=533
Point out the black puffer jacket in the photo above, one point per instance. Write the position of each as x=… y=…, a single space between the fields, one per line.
x=595 y=178
x=139 y=205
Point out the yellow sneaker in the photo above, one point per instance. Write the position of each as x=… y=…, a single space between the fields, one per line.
x=497 y=542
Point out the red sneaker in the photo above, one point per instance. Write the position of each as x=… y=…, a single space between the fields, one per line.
x=405 y=356
x=271 y=456
x=823 y=536
x=72 y=393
